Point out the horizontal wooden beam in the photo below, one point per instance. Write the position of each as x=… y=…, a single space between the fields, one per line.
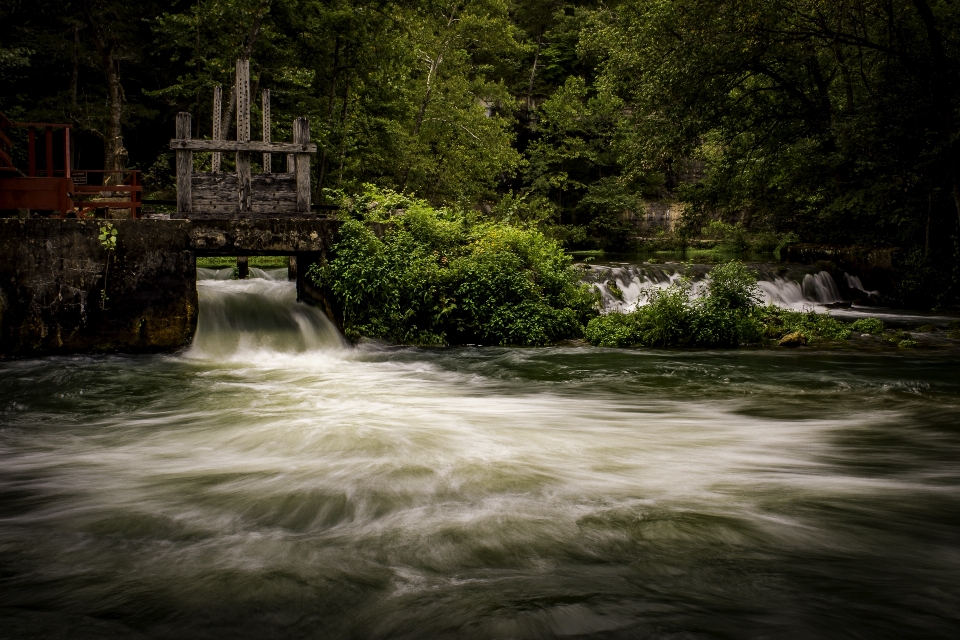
x=228 y=146
x=39 y=125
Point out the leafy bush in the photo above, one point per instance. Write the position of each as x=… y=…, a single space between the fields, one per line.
x=777 y=322
x=868 y=325
x=727 y=316
x=438 y=276
x=672 y=317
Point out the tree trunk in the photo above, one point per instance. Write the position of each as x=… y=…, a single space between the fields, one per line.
x=76 y=68
x=113 y=153
x=331 y=99
x=533 y=73
x=943 y=94
x=343 y=130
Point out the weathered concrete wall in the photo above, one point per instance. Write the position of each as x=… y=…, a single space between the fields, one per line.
x=52 y=273
x=261 y=237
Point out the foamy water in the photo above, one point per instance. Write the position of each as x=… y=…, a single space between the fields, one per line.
x=272 y=481
x=801 y=292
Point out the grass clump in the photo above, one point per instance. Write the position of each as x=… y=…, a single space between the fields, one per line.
x=440 y=276
x=868 y=325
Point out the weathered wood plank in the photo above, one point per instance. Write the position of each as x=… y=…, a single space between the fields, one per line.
x=244 y=188
x=217 y=125
x=253 y=146
x=243 y=100
x=229 y=180
x=290 y=165
x=265 y=109
x=243 y=133
x=253 y=215
x=184 y=165
x=274 y=192
x=301 y=135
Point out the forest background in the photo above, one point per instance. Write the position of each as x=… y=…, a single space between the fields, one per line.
x=827 y=121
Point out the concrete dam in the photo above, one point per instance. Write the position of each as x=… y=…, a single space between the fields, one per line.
x=52 y=276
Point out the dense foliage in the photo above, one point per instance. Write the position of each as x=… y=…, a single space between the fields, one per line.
x=438 y=276
x=809 y=120
x=675 y=317
x=727 y=314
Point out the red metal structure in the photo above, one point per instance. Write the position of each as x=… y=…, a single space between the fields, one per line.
x=53 y=189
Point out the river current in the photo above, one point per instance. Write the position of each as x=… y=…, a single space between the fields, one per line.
x=272 y=482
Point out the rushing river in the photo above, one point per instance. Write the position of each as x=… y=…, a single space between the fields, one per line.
x=271 y=482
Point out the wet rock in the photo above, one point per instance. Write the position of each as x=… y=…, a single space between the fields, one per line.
x=795 y=339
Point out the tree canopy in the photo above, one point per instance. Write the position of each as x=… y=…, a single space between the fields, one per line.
x=836 y=120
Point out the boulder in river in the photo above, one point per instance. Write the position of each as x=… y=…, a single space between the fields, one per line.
x=795 y=339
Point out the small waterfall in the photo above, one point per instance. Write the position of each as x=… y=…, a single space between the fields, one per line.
x=215 y=274
x=783 y=292
x=631 y=282
x=228 y=273
x=820 y=288
x=853 y=282
x=258 y=314
x=793 y=287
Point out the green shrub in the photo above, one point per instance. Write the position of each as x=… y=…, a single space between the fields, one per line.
x=868 y=325
x=777 y=322
x=907 y=344
x=615 y=330
x=897 y=337
x=438 y=276
x=672 y=317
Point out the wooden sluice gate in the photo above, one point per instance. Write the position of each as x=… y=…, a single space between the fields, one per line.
x=242 y=193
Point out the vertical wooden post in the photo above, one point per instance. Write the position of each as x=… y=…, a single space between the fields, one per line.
x=48 y=134
x=63 y=198
x=242 y=267
x=32 y=152
x=136 y=196
x=291 y=267
x=66 y=153
x=290 y=168
x=217 y=126
x=184 y=166
x=265 y=108
x=243 y=133
x=301 y=135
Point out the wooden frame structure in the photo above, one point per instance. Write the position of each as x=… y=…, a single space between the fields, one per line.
x=242 y=194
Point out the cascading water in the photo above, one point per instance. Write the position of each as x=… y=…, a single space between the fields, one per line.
x=802 y=291
x=259 y=313
x=854 y=282
x=820 y=288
